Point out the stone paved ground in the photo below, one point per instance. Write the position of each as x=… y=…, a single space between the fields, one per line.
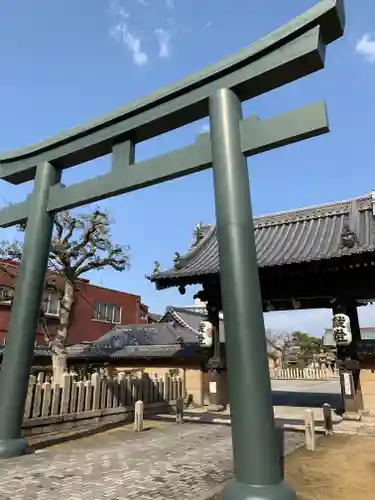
x=174 y=462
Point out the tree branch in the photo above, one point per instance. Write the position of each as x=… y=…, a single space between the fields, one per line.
x=117 y=258
x=58 y=227
x=11 y=251
x=94 y=225
x=86 y=255
x=80 y=243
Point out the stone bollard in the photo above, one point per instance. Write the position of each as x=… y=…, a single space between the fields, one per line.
x=138 y=416
x=327 y=416
x=310 y=437
x=180 y=411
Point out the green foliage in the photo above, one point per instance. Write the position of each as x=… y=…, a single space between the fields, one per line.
x=80 y=243
x=310 y=347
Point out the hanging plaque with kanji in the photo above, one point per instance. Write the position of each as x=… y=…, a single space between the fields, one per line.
x=342 y=334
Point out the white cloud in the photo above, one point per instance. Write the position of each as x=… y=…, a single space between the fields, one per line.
x=122 y=34
x=312 y=321
x=130 y=18
x=164 y=40
x=365 y=47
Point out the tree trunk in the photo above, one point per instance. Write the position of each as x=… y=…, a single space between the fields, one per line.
x=59 y=354
x=59 y=367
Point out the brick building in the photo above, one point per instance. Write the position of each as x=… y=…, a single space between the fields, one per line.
x=96 y=309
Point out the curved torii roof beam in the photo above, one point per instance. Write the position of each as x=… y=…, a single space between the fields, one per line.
x=289 y=53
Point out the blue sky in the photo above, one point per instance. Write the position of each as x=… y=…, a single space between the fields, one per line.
x=66 y=62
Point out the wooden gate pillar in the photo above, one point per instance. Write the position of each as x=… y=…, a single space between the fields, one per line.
x=217 y=374
x=349 y=367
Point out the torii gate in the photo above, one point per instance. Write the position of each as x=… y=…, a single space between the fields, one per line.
x=295 y=50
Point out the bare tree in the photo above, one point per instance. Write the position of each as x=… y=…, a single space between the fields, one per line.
x=273 y=340
x=80 y=243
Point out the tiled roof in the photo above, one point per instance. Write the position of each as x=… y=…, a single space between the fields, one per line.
x=152 y=340
x=157 y=351
x=142 y=351
x=154 y=317
x=39 y=351
x=190 y=319
x=310 y=234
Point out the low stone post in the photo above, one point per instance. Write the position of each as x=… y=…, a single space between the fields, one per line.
x=180 y=411
x=138 y=416
x=310 y=437
x=327 y=416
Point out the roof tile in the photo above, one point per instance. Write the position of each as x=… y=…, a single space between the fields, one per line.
x=304 y=235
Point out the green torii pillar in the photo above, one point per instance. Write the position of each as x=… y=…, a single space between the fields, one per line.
x=294 y=51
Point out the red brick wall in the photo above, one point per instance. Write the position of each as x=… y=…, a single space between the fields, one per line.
x=83 y=327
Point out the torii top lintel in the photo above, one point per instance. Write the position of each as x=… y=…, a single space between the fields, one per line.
x=291 y=52
x=186 y=100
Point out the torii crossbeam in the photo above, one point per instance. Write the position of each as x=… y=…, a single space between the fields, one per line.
x=295 y=50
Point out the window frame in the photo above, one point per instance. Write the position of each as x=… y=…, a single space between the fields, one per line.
x=47 y=300
x=6 y=302
x=100 y=313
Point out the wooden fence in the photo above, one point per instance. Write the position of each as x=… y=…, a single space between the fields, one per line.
x=46 y=399
x=304 y=373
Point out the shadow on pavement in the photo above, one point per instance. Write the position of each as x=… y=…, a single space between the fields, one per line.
x=306 y=399
x=287 y=424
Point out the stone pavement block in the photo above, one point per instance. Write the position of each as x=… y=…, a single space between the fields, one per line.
x=174 y=462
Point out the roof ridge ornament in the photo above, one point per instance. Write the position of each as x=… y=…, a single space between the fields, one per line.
x=350 y=235
x=198 y=234
x=177 y=260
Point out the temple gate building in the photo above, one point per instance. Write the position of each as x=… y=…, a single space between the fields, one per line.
x=315 y=257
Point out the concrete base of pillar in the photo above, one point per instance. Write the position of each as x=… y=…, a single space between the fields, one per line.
x=11 y=448
x=235 y=490
x=216 y=408
x=217 y=388
x=352 y=416
x=351 y=390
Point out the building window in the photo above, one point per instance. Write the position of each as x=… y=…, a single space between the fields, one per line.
x=51 y=303
x=144 y=317
x=6 y=294
x=109 y=313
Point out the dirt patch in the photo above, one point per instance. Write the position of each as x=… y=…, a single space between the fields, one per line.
x=342 y=468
